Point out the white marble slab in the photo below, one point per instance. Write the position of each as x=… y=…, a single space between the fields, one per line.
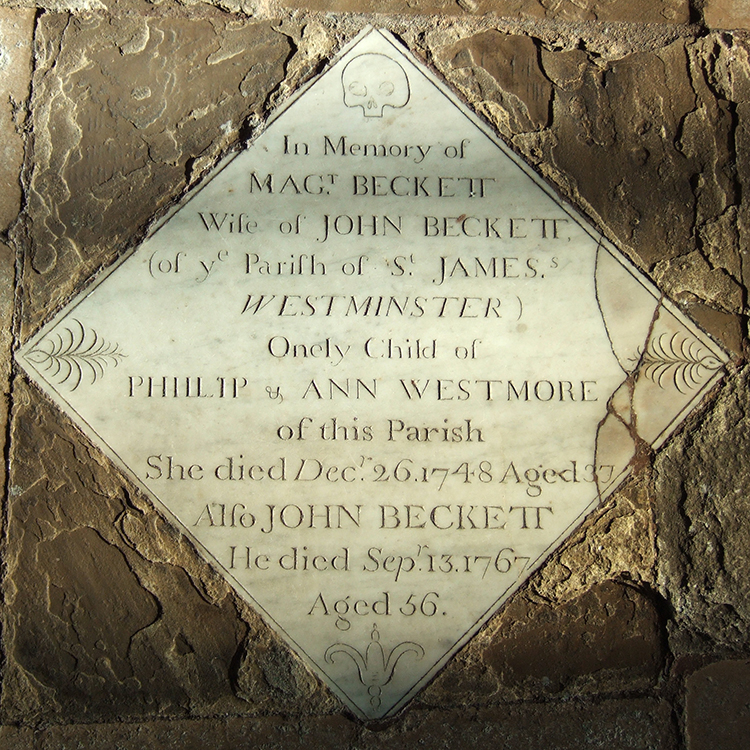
x=376 y=370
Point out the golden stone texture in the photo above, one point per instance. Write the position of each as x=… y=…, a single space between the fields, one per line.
x=727 y=14
x=16 y=31
x=108 y=614
x=651 y=128
x=704 y=544
x=117 y=138
x=634 y=11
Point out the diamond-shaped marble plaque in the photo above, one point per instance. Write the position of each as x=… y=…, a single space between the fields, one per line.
x=376 y=370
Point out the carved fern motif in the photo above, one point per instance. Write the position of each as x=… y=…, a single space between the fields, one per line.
x=70 y=351
x=677 y=359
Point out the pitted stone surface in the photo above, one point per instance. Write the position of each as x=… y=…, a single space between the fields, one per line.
x=623 y=724
x=702 y=539
x=607 y=639
x=633 y=723
x=619 y=126
x=639 y=11
x=619 y=11
x=16 y=29
x=156 y=634
x=610 y=633
x=718 y=711
x=137 y=120
x=618 y=543
x=513 y=62
x=727 y=14
x=547 y=438
x=696 y=93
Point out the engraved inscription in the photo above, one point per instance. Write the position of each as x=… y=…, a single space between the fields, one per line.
x=376 y=370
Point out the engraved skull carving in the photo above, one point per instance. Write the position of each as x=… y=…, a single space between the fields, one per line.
x=373 y=82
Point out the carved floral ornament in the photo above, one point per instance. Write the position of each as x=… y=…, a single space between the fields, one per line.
x=403 y=372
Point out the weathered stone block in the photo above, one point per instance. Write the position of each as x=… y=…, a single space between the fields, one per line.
x=7 y=298
x=703 y=541
x=15 y=738
x=246 y=7
x=727 y=14
x=717 y=710
x=116 y=139
x=552 y=640
x=610 y=637
x=647 y=143
x=16 y=31
x=615 y=131
x=637 y=723
x=513 y=63
x=642 y=11
x=218 y=734
x=108 y=612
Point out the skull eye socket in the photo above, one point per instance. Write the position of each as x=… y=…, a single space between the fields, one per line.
x=387 y=88
x=357 y=88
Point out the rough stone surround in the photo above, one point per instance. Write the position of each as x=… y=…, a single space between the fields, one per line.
x=635 y=634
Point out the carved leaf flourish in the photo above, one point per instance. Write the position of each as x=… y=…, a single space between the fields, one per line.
x=71 y=351
x=677 y=359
